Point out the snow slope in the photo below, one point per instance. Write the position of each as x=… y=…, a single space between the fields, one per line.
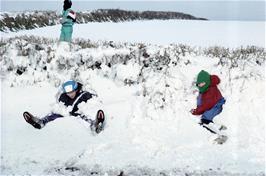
x=194 y=33
x=149 y=128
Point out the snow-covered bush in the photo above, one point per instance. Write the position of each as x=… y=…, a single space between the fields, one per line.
x=129 y=62
x=28 y=60
x=234 y=56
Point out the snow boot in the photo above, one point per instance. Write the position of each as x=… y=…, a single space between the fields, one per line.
x=34 y=121
x=99 y=121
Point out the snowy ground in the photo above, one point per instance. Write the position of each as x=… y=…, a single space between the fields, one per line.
x=140 y=137
x=191 y=32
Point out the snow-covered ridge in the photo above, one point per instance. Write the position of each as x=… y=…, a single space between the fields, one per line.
x=29 y=20
x=229 y=34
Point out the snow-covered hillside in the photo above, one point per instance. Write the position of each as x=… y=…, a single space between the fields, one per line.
x=15 y=21
x=190 y=32
x=147 y=91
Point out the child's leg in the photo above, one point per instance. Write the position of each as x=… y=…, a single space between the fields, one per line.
x=90 y=121
x=208 y=116
x=62 y=35
x=100 y=118
x=217 y=109
x=50 y=117
x=68 y=37
x=96 y=125
x=68 y=34
x=207 y=120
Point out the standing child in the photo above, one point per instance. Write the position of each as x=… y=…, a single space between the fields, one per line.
x=209 y=101
x=67 y=21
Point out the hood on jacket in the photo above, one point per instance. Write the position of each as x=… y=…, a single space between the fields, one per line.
x=79 y=89
x=215 y=80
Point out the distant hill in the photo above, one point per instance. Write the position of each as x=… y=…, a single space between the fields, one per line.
x=30 y=20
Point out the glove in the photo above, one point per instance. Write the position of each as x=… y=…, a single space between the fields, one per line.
x=193 y=111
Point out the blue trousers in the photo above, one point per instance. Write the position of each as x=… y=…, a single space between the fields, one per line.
x=214 y=111
x=51 y=117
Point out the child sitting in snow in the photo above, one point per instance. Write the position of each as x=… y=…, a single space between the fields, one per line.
x=71 y=97
x=209 y=101
x=67 y=21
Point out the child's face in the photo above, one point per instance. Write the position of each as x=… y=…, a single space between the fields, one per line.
x=201 y=84
x=72 y=94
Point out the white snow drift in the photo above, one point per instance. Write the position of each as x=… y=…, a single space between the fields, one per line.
x=191 y=32
x=149 y=128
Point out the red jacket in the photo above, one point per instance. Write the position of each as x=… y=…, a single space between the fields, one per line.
x=210 y=97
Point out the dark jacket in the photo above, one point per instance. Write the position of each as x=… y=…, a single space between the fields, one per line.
x=209 y=98
x=82 y=96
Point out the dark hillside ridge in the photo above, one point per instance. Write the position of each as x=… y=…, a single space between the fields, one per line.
x=30 y=20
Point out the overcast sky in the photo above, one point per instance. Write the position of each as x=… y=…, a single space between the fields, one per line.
x=213 y=10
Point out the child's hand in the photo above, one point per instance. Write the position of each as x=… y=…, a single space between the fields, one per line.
x=195 y=91
x=193 y=111
x=62 y=20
